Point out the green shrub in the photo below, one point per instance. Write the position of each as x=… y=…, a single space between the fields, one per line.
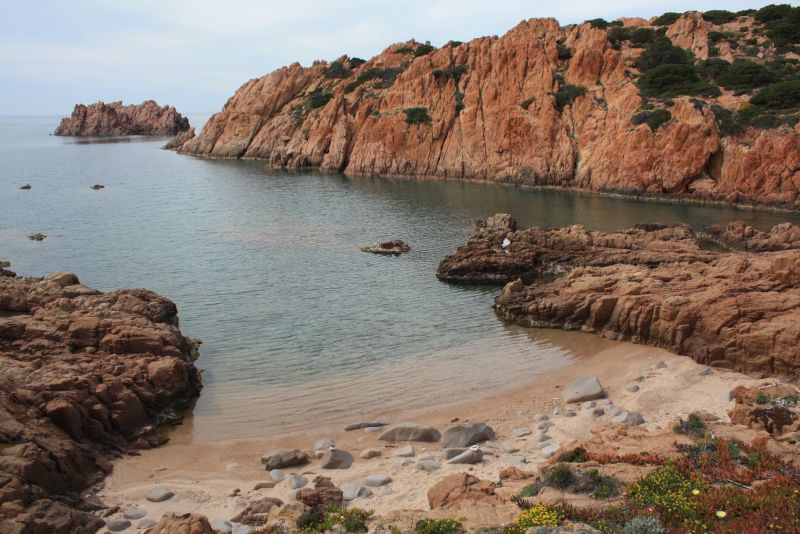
x=786 y=30
x=336 y=70
x=719 y=16
x=660 y=52
x=417 y=115
x=404 y=50
x=318 y=98
x=449 y=525
x=424 y=50
x=668 y=490
x=745 y=12
x=600 y=24
x=642 y=36
x=773 y=12
x=454 y=72
x=654 y=119
x=560 y=476
x=577 y=455
x=751 y=51
x=727 y=121
x=531 y=490
x=715 y=37
x=667 y=19
x=318 y=520
x=385 y=76
x=563 y=52
x=781 y=95
x=459 y=100
x=618 y=34
x=673 y=80
x=527 y=102
x=712 y=68
x=713 y=51
x=745 y=74
x=454 y=43
x=693 y=426
x=644 y=524
x=567 y=94
x=356 y=62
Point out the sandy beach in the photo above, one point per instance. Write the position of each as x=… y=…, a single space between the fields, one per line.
x=217 y=479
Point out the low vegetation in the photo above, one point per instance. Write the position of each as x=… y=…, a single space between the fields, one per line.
x=667 y=19
x=670 y=80
x=563 y=478
x=654 y=119
x=385 y=78
x=424 y=50
x=692 y=426
x=527 y=102
x=449 y=525
x=318 y=520
x=417 y=115
x=455 y=72
x=567 y=94
x=719 y=16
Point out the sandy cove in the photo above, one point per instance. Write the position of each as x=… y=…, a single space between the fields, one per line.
x=205 y=477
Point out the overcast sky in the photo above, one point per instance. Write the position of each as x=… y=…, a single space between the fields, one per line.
x=194 y=54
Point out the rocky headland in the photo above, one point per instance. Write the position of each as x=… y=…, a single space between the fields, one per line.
x=101 y=119
x=691 y=105
x=87 y=377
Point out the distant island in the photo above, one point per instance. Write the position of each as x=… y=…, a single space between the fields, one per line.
x=147 y=118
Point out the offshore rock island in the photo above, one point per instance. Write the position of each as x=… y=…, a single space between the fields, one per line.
x=687 y=106
x=101 y=119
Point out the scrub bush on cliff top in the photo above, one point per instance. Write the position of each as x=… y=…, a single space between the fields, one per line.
x=667 y=19
x=745 y=74
x=660 y=52
x=719 y=16
x=654 y=119
x=781 y=95
x=672 y=80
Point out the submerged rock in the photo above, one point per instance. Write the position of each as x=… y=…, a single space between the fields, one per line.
x=37 y=237
x=393 y=248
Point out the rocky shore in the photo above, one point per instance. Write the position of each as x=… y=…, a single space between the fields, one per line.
x=541 y=105
x=87 y=378
x=101 y=119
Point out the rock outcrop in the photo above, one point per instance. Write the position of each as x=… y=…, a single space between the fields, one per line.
x=740 y=236
x=496 y=254
x=86 y=377
x=147 y=118
x=500 y=109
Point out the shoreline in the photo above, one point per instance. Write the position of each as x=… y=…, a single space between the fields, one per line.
x=204 y=476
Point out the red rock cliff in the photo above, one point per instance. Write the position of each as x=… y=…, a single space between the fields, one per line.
x=147 y=118
x=492 y=115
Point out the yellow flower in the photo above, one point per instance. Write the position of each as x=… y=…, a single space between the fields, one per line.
x=721 y=514
x=695 y=492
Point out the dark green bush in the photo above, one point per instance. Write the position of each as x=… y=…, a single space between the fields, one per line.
x=577 y=455
x=424 y=50
x=385 y=76
x=600 y=24
x=781 y=95
x=715 y=37
x=745 y=12
x=560 y=476
x=786 y=30
x=653 y=119
x=773 y=12
x=667 y=19
x=417 y=115
x=751 y=51
x=356 y=62
x=712 y=68
x=693 y=426
x=674 y=80
x=618 y=34
x=455 y=72
x=318 y=98
x=567 y=94
x=660 y=52
x=459 y=100
x=454 y=43
x=563 y=52
x=337 y=70
x=727 y=121
x=719 y=16
x=642 y=36
x=527 y=102
x=745 y=74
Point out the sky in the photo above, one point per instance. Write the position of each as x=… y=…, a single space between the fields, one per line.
x=193 y=54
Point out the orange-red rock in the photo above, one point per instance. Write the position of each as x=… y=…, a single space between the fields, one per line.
x=147 y=118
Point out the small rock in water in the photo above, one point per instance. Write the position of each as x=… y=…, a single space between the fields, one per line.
x=297 y=481
x=26 y=186
x=585 y=388
x=159 y=494
x=145 y=524
x=395 y=248
x=428 y=465
x=336 y=459
x=377 y=480
x=367 y=454
x=118 y=525
x=222 y=525
x=263 y=485
x=134 y=513
x=633 y=388
x=405 y=452
x=355 y=491
x=509 y=448
x=277 y=475
x=323 y=444
x=97 y=187
x=37 y=237
x=705 y=372
x=522 y=431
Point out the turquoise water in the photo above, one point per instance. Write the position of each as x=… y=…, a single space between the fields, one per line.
x=298 y=325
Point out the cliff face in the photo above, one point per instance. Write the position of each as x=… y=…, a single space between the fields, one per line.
x=491 y=113
x=86 y=376
x=147 y=118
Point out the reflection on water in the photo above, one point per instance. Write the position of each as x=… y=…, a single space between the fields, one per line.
x=299 y=326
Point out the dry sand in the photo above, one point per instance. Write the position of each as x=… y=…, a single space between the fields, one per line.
x=204 y=477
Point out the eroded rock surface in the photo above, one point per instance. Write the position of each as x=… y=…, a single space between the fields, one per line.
x=486 y=110
x=147 y=118
x=86 y=377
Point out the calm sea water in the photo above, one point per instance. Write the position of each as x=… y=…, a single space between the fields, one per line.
x=298 y=325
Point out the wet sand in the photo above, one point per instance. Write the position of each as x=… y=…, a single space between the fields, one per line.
x=205 y=475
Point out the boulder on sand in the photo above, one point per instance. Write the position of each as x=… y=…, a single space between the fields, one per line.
x=410 y=432
x=461 y=488
x=284 y=458
x=585 y=388
x=467 y=434
x=336 y=459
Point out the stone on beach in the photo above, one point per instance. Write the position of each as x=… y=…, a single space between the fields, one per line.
x=452 y=452
x=134 y=513
x=357 y=426
x=145 y=524
x=323 y=444
x=549 y=450
x=277 y=475
x=585 y=388
x=706 y=372
x=263 y=485
x=428 y=465
x=472 y=455
x=222 y=525
x=509 y=448
x=118 y=525
x=377 y=480
x=159 y=494
x=522 y=431
x=405 y=452
x=355 y=491
x=633 y=388
x=629 y=418
x=539 y=417
x=336 y=459
x=257 y=511
x=297 y=481
x=183 y=523
x=410 y=432
x=368 y=454
x=461 y=489
x=513 y=459
x=284 y=458
x=467 y=434
x=242 y=529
